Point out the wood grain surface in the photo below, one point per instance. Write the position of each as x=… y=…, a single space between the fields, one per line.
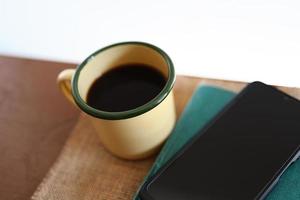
x=85 y=170
x=35 y=121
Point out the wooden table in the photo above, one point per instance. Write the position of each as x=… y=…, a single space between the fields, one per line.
x=35 y=121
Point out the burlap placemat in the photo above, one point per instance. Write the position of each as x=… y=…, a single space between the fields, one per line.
x=85 y=170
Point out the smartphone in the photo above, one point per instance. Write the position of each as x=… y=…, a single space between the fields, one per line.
x=239 y=155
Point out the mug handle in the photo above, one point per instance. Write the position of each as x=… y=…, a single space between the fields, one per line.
x=64 y=82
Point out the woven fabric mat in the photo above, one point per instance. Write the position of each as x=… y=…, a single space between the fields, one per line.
x=85 y=170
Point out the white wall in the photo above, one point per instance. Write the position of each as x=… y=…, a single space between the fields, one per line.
x=231 y=39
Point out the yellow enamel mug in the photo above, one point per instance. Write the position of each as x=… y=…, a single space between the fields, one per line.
x=130 y=134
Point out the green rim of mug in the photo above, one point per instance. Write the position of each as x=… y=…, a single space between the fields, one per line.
x=128 y=113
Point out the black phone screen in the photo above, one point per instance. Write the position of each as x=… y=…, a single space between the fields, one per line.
x=239 y=154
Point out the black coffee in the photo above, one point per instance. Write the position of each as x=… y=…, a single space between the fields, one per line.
x=125 y=87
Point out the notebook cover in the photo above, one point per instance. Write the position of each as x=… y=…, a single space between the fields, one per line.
x=205 y=103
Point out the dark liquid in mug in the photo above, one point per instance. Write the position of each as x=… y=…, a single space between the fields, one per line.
x=125 y=87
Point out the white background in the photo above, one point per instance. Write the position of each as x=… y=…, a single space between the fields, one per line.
x=240 y=40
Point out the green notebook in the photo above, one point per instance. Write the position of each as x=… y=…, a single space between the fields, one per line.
x=205 y=103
